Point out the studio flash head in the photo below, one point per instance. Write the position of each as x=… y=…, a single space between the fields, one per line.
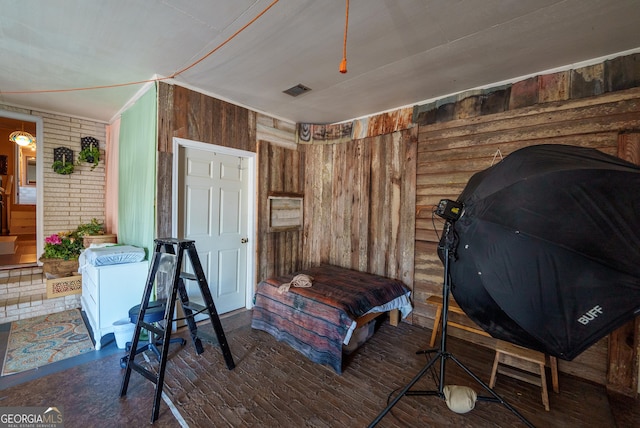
x=449 y=210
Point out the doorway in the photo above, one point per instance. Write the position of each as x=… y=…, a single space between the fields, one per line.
x=214 y=204
x=20 y=192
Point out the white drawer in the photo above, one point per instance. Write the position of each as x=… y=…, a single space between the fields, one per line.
x=90 y=287
x=92 y=273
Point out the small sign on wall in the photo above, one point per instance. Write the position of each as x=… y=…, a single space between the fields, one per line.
x=285 y=213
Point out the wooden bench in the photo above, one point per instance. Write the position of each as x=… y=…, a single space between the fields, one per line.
x=394 y=318
x=437 y=301
x=526 y=365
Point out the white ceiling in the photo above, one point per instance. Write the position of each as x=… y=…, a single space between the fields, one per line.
x=399 y=52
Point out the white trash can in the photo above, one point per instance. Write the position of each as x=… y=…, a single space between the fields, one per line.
x=123 y=331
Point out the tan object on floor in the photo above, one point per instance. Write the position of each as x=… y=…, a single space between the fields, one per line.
x=526 y=365
x=460 y=399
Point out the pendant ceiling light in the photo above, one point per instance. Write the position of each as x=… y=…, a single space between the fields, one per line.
x=22 y=138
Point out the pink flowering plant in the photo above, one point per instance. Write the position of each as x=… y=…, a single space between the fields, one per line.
x=64 y=245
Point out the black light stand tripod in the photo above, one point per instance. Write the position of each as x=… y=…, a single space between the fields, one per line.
x=442 y=354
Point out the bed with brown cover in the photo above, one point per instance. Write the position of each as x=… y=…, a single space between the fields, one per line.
x=318 y=321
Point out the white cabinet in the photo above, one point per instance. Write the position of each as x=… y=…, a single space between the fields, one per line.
x=108 y=292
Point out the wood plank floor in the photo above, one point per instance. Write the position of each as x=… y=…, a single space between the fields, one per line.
x=273 y=386
x=24 y=255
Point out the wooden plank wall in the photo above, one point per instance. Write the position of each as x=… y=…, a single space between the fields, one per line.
x=365 y=186
x=359 y=205
x=624 y=343
x=194 y=116
x=280 y=173
x=450 y=152
x=188 y=114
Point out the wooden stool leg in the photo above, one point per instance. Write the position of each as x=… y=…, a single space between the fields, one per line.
x=494 y=370
x=553 y=362
x=526 y=365
x=394 y=317
x=543 y=384
x=436 y=327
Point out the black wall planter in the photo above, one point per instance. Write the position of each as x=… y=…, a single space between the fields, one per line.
x=63 y=160
x=86 y=143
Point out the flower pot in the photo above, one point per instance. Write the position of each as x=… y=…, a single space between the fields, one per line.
x=87 y=240
x=59 y=268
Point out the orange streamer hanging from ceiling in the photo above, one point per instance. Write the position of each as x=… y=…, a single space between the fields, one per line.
x=173 y=75
x=343 y=63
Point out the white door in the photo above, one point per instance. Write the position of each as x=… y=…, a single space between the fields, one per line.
x=215 y=216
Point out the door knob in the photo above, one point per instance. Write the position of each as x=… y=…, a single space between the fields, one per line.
x=244 y=240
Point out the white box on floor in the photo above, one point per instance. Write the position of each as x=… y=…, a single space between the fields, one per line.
x=108 y=292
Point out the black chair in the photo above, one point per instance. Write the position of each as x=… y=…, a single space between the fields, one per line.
x=155 y=312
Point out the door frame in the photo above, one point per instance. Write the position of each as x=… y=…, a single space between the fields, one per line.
x=250 y=157
x=39 y=174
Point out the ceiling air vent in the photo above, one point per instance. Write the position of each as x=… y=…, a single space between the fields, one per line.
x=297 y=90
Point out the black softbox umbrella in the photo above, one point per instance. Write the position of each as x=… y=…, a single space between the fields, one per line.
x=548 y=248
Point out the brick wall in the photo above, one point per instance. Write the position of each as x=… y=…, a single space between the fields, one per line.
x=76 y=198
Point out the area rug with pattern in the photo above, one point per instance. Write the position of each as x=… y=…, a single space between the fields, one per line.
x=42 y=340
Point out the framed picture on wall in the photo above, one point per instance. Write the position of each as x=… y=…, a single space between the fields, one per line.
x=285 y=213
